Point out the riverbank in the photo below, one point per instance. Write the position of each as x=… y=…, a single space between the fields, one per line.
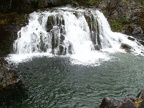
x=137 y=102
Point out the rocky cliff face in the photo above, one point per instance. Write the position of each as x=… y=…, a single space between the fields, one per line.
x=124 y=15
x=10 y=23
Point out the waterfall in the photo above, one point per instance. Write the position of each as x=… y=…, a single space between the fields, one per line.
x=83 y=34
x=54 y=32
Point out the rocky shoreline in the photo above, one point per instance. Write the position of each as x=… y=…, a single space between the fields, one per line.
x=10 y=82
x=137 y=102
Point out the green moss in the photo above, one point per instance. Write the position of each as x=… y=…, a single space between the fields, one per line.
x=4 y=85
x=80 y=2
x=142 y=2
x=118 y=24
x=66 y=1
x=124 y=20
x=92 y=2
x=21 y=19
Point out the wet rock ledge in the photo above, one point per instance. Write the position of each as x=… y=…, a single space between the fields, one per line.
x=9 y=80
x=137 y=102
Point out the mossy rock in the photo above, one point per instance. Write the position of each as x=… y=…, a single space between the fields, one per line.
x=92 y=2
x=116 y=25
x=126 y=47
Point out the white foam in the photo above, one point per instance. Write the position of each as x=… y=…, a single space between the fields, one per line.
x=91 y=58
x=19 y=58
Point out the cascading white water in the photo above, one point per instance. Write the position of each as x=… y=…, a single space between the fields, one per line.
x=34 y=34
x=67 y=31
x=113 y=40
x=30 y=37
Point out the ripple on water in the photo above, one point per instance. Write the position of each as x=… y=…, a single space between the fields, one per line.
x=56 y=83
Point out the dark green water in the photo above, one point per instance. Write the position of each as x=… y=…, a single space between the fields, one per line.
x=56 y=83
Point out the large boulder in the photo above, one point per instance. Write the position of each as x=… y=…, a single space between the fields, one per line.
x=9 y=79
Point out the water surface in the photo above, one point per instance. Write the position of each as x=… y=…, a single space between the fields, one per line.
x=56 y=83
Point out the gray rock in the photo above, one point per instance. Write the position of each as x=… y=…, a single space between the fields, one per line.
x=141 y=94
x=109 y=103
x=8 y=75
x=131 y=38
x=127 y=104
x=126 y=47
x=137 y=30
x=62 y=50
x=141 y=41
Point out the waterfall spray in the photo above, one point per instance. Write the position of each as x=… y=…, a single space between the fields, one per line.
x=83 y=34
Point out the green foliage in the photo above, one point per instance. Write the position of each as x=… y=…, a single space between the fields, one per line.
x=3 y=84
x=21 y=19
x=66 y=1
x=116 y=26
x=92 y=2
x=80 y=2
x=123 y=20
x=142 y=2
